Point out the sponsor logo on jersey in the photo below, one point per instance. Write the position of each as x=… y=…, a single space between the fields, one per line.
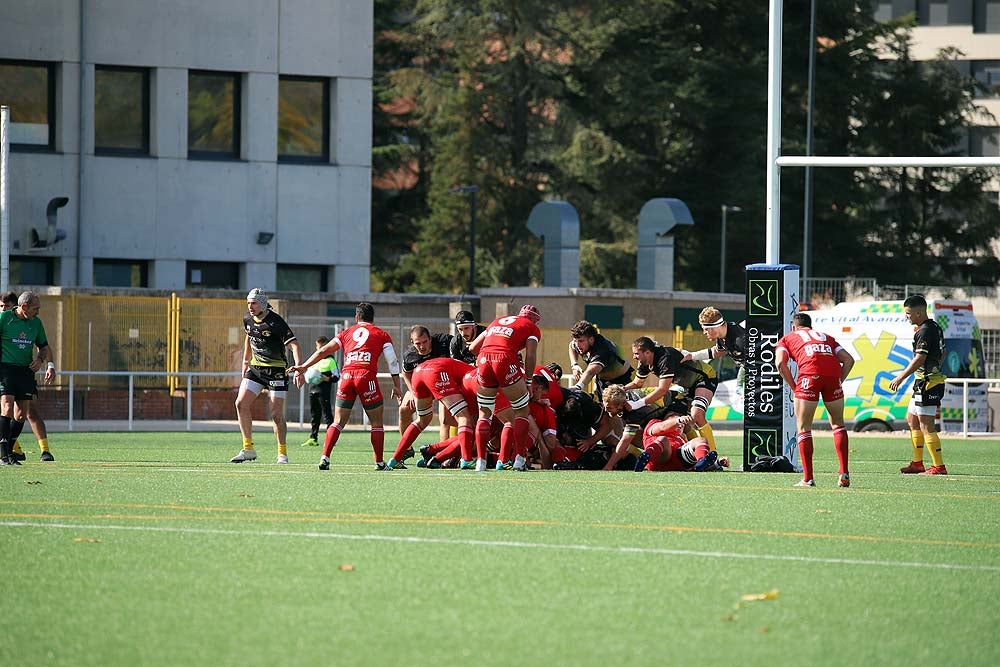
x=506 y=332
x=358 y=356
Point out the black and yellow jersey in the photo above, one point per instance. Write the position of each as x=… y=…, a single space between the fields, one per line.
x=268 y=337
x=928 y=340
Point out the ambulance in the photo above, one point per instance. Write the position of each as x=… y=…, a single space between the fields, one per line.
x=877 y=334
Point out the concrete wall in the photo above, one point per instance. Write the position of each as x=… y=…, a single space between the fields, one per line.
x=166 y=208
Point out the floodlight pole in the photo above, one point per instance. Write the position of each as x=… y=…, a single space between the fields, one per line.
x=470 y=190
x=722 y=250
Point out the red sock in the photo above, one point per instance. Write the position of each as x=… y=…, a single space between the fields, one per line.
x=483 y=431
x=378 y=442
x=522 y=436
x=506 y=446
x=332 y=434
x=701 y=451
x=467 y=439
x=409 y=437
x=805 y=439
x=453 y=449
x=655 y=452
x=439 y=446
x=840 y=444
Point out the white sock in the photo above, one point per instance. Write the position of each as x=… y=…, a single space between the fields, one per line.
x=519 y=461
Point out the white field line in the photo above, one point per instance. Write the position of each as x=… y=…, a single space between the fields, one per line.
x=508 y=545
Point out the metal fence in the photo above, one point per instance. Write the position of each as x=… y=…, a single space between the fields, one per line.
x=827 y=292
x=991 y=352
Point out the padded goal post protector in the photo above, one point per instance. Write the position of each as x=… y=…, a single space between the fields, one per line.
x=772 y=298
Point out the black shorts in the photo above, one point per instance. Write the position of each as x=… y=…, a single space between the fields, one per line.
x=925 y=397
x=707 y=383
x=18 y=381
x=273 y=378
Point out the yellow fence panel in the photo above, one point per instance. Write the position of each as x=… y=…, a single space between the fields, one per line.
x=210 y=338
x=118 y=333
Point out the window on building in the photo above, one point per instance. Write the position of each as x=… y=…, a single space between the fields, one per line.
x=944 y=12
x=301 y=278
x=29 y=89
x=223 y=275
x=986 y=16
x=32 y=271
x=886 y=10
x=213 y=115
x=121 y=110
x=303 y=119
x=987 y=75
x=121 y=273
x=984 y=141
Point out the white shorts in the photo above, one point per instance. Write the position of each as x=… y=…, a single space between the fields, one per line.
x=921 y=410
x=256 y=387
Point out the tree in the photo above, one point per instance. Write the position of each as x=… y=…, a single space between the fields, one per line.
x=607 y=105
x=872 y=98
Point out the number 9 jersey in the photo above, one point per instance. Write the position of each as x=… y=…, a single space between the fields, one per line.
x=362 y=344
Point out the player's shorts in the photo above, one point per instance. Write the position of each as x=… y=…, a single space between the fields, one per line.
x=706 y=383
x=272 y=378
x=361 y=383
x=811 y=387
x=431 y=385
x=18 y=381
x=670 y=442
x=925 y=402
x=498 y=369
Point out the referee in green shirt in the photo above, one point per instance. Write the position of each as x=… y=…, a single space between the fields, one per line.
x=21 y=332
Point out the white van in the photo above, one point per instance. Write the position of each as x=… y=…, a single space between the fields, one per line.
x=877 y=334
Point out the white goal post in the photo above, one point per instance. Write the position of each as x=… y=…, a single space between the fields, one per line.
x=4 y=201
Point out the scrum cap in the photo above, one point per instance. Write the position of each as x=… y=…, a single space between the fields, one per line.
x=530 y=312
x=258 y=295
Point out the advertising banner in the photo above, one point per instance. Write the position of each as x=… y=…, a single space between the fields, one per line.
x=772 y=297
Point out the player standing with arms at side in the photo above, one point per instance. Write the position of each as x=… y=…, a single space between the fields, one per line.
x=499 y=369
x=928 y=388
x=823 y=365
x=8 y=301
x=264 y=367
x=363 y=344
x=20 y=333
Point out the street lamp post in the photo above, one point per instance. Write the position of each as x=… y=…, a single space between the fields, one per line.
x=722 y=251
x=471 y=190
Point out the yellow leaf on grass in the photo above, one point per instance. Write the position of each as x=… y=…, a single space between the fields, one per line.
x=86 y=539
x=346 y=567
x=753 y=597
x=822 y=511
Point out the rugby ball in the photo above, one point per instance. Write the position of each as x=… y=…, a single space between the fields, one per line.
x=313 y=376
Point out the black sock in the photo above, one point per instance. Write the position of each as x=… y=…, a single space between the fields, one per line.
x=5 y=427
x=15 y=430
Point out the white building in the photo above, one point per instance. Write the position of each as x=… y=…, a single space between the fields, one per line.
x=201 y=143
x=972 y=26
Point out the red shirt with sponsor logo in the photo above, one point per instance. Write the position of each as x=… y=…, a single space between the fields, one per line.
x=814 y=352
x=509 y=334
x=362 y=345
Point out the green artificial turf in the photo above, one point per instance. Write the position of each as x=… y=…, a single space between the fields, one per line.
x=151 y=549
